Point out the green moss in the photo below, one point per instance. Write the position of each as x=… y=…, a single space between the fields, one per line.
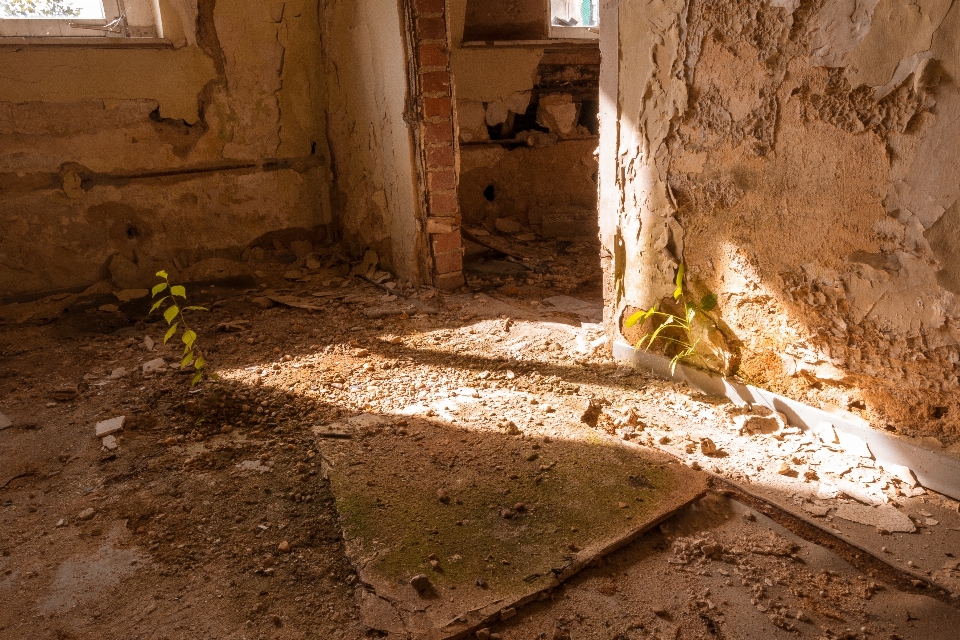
x=399 y=522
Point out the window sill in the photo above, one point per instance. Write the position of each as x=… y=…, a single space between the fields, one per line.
x=86 y=42
x=571 y=43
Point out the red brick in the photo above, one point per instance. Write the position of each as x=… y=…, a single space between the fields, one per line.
x=435 y=82
x=448 y=262
x=430 y=6
x=448 y=281
x=440 y=157
x=443 y=203
x=436 y=108
x=445 y=242
x=431 y=29
x=432 y=55
x=441 y=180
x=437 y=133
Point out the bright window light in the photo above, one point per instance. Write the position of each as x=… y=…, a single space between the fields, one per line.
x=51 y=9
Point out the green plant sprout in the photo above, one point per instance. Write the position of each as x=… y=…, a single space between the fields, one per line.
x=173 y=314
x=692 y=335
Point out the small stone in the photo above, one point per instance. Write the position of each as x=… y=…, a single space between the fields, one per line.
x=263 y=302
x=5 y=422
x=480 y=582
x=86 y=514
x=482 y=634
x=520 y=507
x=360 y=353
x=442 y=496
x=420 y=583
x=107 y=427
x=284 y=547
x=110 y=443
x=148 y=343
x=786 y=470
x=708 y=447
x=512 y=429
x=158 y=365
x=65 y=394
x=693 y=464
x=507 y=514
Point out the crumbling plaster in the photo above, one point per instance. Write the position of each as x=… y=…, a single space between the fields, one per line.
x=376 y=195
x=801 y=158
x=196 y=149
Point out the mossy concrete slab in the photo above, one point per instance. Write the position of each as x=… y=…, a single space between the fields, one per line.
x=492 y=520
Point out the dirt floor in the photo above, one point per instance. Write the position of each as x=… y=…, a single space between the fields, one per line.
x=212 y=518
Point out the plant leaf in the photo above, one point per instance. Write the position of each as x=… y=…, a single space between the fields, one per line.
x=171 y=313
x=635 y=318
x=196 y=378
x=158 y=288
x=189 y=337
x=197 y=309
x=162 y=274
x=679 y=282
x=213 y=376
x=199 y=363
x=156 y=305
x=187 y=359
x=170 y=332
x=179 y=290
x=709 y=302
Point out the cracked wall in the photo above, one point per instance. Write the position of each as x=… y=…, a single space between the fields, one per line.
x=800 y=157
x=376 y=195
x=166 y=156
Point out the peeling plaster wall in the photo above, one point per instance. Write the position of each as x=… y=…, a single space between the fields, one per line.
x=801 y=157
x=162 y=156
x=373 y=156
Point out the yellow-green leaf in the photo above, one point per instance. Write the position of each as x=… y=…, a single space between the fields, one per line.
x=178 y=290
x=158 y=288
x=162 y=274
x=156 y=305
x=187 y=359
x=171 y=313
x=196 y=378
x=199 y=363
x=170 y=332
x=679 y=282
x=634 y=319
x=189 y=337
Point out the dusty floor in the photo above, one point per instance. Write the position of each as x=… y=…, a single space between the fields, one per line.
x=212 y=519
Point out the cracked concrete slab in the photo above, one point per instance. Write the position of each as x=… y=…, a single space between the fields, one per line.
x=489 y=519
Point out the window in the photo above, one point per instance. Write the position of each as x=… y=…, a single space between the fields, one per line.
x=80 y=18
x=530 y=20
x=574 y=19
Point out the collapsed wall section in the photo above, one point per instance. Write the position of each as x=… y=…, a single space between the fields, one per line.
x=799 y=157
x=115 y=162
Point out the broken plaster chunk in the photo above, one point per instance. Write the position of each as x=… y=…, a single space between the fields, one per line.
x=749 y=424
x=816 y=510
x=107 y=427
x=903 y=473
x=883 y=517
x=158 y=365
x=708 y=447
x=854 y=445
x=5 y=422
x=826 y=433
x=110 y=443
x=507 y=225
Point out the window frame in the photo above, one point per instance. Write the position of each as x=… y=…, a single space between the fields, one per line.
x=142 y=25
x=483 y=33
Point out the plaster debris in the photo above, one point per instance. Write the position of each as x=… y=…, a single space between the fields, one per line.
x=110 y=443
x=5 y=422
x=158 y=365
x=107 y=427
x=902 y=473
x=883 y=517
x=148 y=343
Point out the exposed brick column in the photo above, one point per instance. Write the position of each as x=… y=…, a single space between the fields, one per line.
x=438 y=142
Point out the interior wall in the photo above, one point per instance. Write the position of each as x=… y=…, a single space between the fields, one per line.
x=547 y=173
x=117 y=162
x=800 y=157
x=376 y=193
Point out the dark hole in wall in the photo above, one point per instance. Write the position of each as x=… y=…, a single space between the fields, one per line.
x=938 y=412
x=858 y=404
x=490 y=193
x=132 y=232
x=313 y=148
x=590 y=116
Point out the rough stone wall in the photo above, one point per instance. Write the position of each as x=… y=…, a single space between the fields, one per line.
x=161 y=157
x=801 y=158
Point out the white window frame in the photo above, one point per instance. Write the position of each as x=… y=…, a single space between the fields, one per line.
x=559 y=32
x=124 y=19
